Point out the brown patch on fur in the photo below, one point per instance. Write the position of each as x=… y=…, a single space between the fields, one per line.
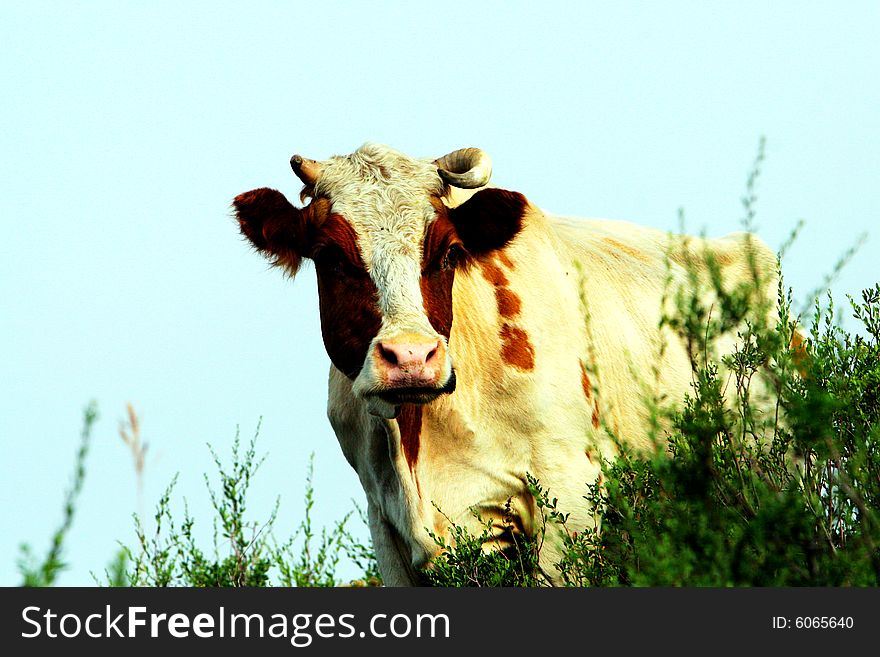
x=437 y=299
x=349 y=317
x=725 y=257
x=440 y=237
x=626 y=248
x=347 y=297
x=493 y=273
x=799 y=355
x=589 y=455
x=409 y=421
x=516 y=348
x=505 y=260
x=438 y=270
x=509 y=303
x=595 y=418
x=335 y=232
x=688 y=255
x=585 y=382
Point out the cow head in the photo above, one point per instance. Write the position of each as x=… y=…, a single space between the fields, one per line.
x=386 y=248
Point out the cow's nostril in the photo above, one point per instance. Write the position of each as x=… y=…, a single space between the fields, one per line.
x=396 y=354
x=388 y=354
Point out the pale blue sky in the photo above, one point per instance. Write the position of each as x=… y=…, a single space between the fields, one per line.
x=129 y=127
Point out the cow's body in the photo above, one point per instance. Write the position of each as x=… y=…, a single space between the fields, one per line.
x=554 y=337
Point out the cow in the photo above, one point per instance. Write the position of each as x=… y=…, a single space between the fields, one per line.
x=476 y=340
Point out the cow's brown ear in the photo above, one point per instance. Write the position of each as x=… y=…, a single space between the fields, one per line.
x=276 y=228
x=488 y=220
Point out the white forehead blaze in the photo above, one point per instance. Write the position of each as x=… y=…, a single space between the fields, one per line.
x=385 y=196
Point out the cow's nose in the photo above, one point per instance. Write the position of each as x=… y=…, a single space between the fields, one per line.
x=409 y=362
x=412 y=354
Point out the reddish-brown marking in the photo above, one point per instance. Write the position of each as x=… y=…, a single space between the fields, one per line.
x=334 y=232
x=440 y=236
x=484 y=223
x=595 y=414
x=589 y=456
x=493 y=273
x=799 y=353
x=437 y=299
x=585 y=382
x=509 y=303
x=438 y=274
x=516 y=348
x=409 y=421
x=723 y=257
x=347 y=296
x=626 y=248
x=349 y=318
x=505 y=260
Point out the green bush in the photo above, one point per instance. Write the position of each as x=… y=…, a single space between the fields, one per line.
x=44 y=572
x=733 y=498
x=244 y=552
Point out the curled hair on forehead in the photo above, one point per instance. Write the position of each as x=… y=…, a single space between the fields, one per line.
x=376 y=167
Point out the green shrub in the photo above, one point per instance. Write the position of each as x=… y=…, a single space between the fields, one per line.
x=45 y=572
x=245 y=553
x=733 y=497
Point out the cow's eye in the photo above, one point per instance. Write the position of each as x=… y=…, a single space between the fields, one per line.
x=333 y=261
x=452 y=258
x=326 y=257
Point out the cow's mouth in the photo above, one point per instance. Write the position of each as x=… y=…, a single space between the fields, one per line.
x=416 y=395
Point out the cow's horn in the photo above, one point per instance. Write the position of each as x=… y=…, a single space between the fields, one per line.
x=305 y=169
x=466 y=168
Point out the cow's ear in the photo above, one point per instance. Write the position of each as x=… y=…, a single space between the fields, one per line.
x=276 y=228
x=488 y=220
